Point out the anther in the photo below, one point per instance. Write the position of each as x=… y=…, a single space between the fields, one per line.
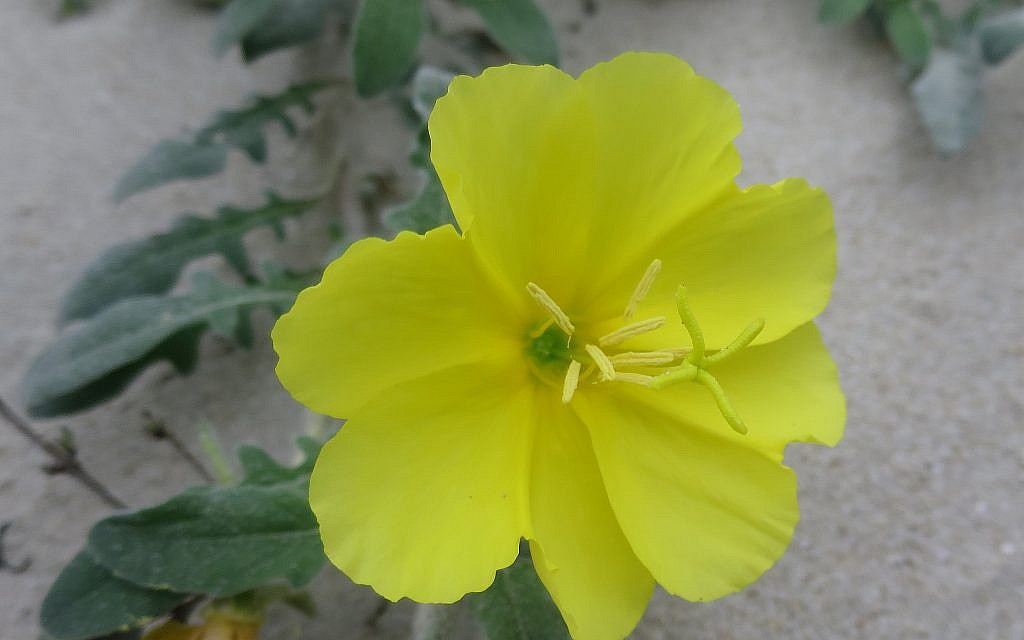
x=630 y=330
x=642 y=358
x=559 y=316
x=642 y=288
x=634 y=378
x=601 y=360
x=572 y=381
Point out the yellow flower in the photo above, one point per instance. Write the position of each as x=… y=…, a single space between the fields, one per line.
x=542 y=375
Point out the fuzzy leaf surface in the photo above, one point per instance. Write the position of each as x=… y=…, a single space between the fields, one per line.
x=290 y=23
x=1001 y=35
x=259 y=468
x=93 y=362
x=87 y=601
x=518 y=607
x=387 y=37
x=171 y=160
x=215 y=540
x=948 y=96
x=205 y=152
x=838 y=12
x=152 y=265
x=238 y=18
x=520 y=27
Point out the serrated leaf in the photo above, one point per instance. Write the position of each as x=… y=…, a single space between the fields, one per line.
x=429 y=209
x=152 y=265
x=428 y=85
x=386 y=38
x=290 y=23
x=520 y=27
x=259 y=468
x=93 y=362
x=908 y=34
x=1001 y=35
x=237 y=19
x=216 y=540
x=205 y=153
x=518 y=607
x=243 y=128
x=838 y=12
x=948 y=96
x=87 y=601
x=171 y=160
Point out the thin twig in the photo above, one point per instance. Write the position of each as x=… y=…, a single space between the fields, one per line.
x=64 y=461
x=159 y=431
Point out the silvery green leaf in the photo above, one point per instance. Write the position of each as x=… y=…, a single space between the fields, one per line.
x=386 y=38
x=837 y=12
x=237 y=19
x=948 y=96
x=429 y=84
x=1001 y=35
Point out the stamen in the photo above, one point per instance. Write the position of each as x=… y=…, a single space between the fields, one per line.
x=642 y=358
x=745 y=338
x=690 y=323
x=637 y=328
x=544 y=326
x=722 y=400
x=602 y=362
x=572 y=381
x=559 y=316
x=635 y=378
x=642 y=288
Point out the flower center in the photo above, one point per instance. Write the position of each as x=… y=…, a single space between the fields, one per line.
x=555 y=359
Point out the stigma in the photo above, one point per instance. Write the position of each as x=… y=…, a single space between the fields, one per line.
x=556 y=360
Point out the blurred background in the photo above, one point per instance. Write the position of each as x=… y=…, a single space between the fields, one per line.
x=913 y=527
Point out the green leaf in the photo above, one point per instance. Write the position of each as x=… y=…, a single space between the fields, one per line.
x=387 y=36
x=171 y=160
x=152 y=265
x=1001 y=35
x=216 y=540
x=838 y=12
x=87 y=601
x=243 y=128
x=908 y=35
x=948 y=96
x=206 y=152
x=429 y=209
x=259 y=468
x=290 y=23
x=93 y=362
x=521 y=29
x=518 y=607
x=237 y=19
x=70 y=8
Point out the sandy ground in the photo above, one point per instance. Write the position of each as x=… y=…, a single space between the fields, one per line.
x=912 y=528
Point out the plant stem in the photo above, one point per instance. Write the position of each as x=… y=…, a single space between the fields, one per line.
x=159 y=431
x=64 y=461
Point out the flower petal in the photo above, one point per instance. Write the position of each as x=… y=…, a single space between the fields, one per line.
x=769 y=252
x=420 y=494
x=578 y=548
x=706 y=510
x=561 y=182
x=385 y=312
